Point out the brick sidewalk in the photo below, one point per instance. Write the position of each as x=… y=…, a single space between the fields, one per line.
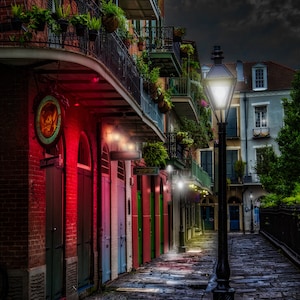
x=258 y=271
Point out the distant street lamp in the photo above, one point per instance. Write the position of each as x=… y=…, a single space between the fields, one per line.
x=251 y=224
x=219 y=87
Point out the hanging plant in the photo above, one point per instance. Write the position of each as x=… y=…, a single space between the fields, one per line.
x=187 y=142
x=186 y=50
x=155 y=154
x=167 y=104
x=180 y=135
x=178 y=33
x=113 y=16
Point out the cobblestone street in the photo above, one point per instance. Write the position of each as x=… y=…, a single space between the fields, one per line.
x=258 y=271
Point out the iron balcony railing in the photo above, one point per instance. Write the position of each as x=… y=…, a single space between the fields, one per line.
x=175 y=149
x=182 y=87
x=190 y=169
x=194 y=172
x=107 y=48
x=163 y=50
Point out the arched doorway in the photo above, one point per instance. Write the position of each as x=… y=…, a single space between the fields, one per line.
x=84 y=212
x=234 y=205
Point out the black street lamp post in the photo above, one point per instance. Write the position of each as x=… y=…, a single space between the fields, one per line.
x=181 y=207
x=219 y=86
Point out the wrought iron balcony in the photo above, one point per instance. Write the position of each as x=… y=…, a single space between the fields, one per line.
x=163 y=51
x=194 y=173
x=183 y=98
x=176 y=151
x=140 y=9
x=75 y=78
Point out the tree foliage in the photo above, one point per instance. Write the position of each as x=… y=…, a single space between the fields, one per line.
x=289 y=137
x=267 y=168
x=280 y=174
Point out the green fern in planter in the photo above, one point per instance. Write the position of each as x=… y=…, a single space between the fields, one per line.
x=155 y=154
x=93 y=23
x=17 y=11
x=112 y=11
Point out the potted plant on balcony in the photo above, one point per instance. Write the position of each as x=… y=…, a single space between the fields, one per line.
x=63 y=16
x=141 y=43
x=155 y=154
x=239 y=168
x=38 y=18
x=19 y=16
x=113 y=16
x=180 y=135
x=178 y=33
x=186 y=50
x=167 y=104
x=126 y=37
x=160 y=95
x=152 y=80
x=94 y=25
x=80 y=23
x=187 y=142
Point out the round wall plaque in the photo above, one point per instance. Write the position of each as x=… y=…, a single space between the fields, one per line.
x=48 y=121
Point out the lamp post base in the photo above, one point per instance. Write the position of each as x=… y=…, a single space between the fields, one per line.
x=223 y=294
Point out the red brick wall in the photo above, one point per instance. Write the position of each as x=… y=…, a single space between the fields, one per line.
x=13 y=167
x=37 y=196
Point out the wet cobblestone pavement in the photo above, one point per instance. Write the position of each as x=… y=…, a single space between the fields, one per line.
x=258 y=271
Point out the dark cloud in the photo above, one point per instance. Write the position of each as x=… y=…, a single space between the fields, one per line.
x=249 y=30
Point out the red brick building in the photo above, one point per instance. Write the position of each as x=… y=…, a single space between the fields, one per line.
x=72 y=216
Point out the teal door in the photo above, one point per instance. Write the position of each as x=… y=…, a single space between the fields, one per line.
x=208 y=217
x=234 y=213
x=152 y=215
x=105 y=232
x=54 y=231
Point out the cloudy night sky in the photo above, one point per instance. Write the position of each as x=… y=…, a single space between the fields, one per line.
x=248 y=30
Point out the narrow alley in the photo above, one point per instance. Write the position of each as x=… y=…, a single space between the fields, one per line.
x=258 y=271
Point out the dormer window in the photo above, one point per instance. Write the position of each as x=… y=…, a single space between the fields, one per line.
x=259 y=77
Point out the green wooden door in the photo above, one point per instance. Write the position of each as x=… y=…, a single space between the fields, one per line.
x=140 y=227
x=161 y=223
x=152 y=229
